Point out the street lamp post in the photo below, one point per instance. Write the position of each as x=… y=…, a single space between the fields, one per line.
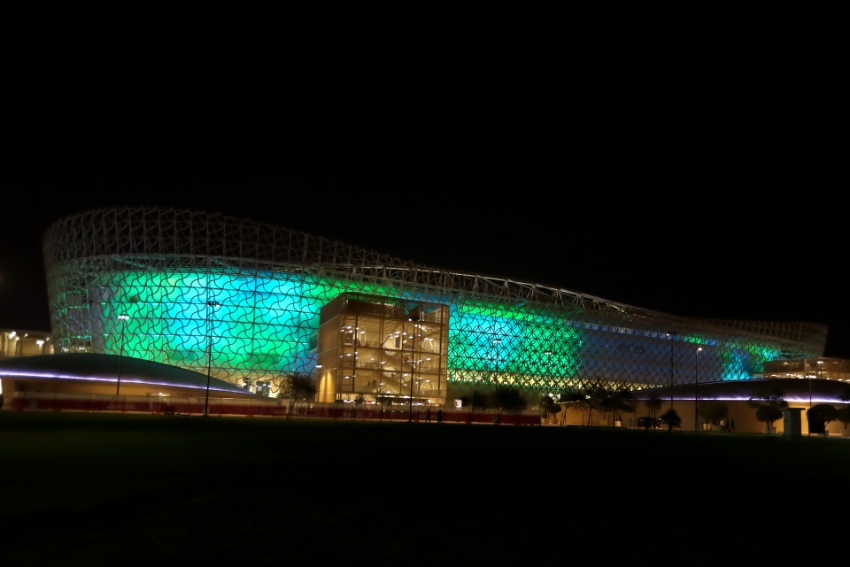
x=670 y=334
x=410 y=401
x=121 y=352
x=808 y=376
x=817 y=375
x=548 y=355
x=551 y=379
x=412 y=363
x=696 y=395
x=496 y=343
x=210 y=304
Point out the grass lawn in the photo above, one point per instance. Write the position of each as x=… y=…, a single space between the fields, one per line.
x=112 y=489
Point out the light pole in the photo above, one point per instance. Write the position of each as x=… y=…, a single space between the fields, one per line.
x=210 y=304
x=496 y=343
x=817 y=375
x=670 y=334
x=121 y=352
x=548 y=355
x=696 y=395
x=551 y=378
x=410 y=401
x=412 y=362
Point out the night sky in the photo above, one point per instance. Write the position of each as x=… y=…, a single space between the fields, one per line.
x=716 y=217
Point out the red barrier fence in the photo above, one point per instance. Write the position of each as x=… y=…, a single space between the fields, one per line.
x=271 y=408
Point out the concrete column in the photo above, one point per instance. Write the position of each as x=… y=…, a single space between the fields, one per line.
x=792 y=423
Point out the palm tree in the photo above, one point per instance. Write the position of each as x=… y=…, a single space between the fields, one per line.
x=359 y=400
x=299 y=387
x=586 y=397
x=769 y=401
x=653 y=404
x=843 y=415
x=768 y=414
x=548 y=406
x=672 y=419
x=508 y=398
x=822 y=414
x=616 y=401
x=476 y=400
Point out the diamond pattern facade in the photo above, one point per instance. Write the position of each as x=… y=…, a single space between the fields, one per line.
x=242 y=300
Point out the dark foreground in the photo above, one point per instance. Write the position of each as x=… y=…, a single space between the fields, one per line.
x=107 y=489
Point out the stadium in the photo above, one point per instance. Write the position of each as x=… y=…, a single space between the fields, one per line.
x=250 y=306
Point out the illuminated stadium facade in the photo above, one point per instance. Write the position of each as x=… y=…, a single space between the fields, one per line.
x=255 y=304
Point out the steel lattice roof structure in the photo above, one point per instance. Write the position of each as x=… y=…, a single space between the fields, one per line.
x=241 y=299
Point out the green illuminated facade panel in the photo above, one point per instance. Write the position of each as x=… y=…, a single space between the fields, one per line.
x=193 y=298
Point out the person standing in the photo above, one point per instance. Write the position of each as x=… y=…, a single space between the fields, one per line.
x=428 y=415
x=439 y=416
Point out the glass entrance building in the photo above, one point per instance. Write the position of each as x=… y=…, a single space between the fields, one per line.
x=255 y=304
